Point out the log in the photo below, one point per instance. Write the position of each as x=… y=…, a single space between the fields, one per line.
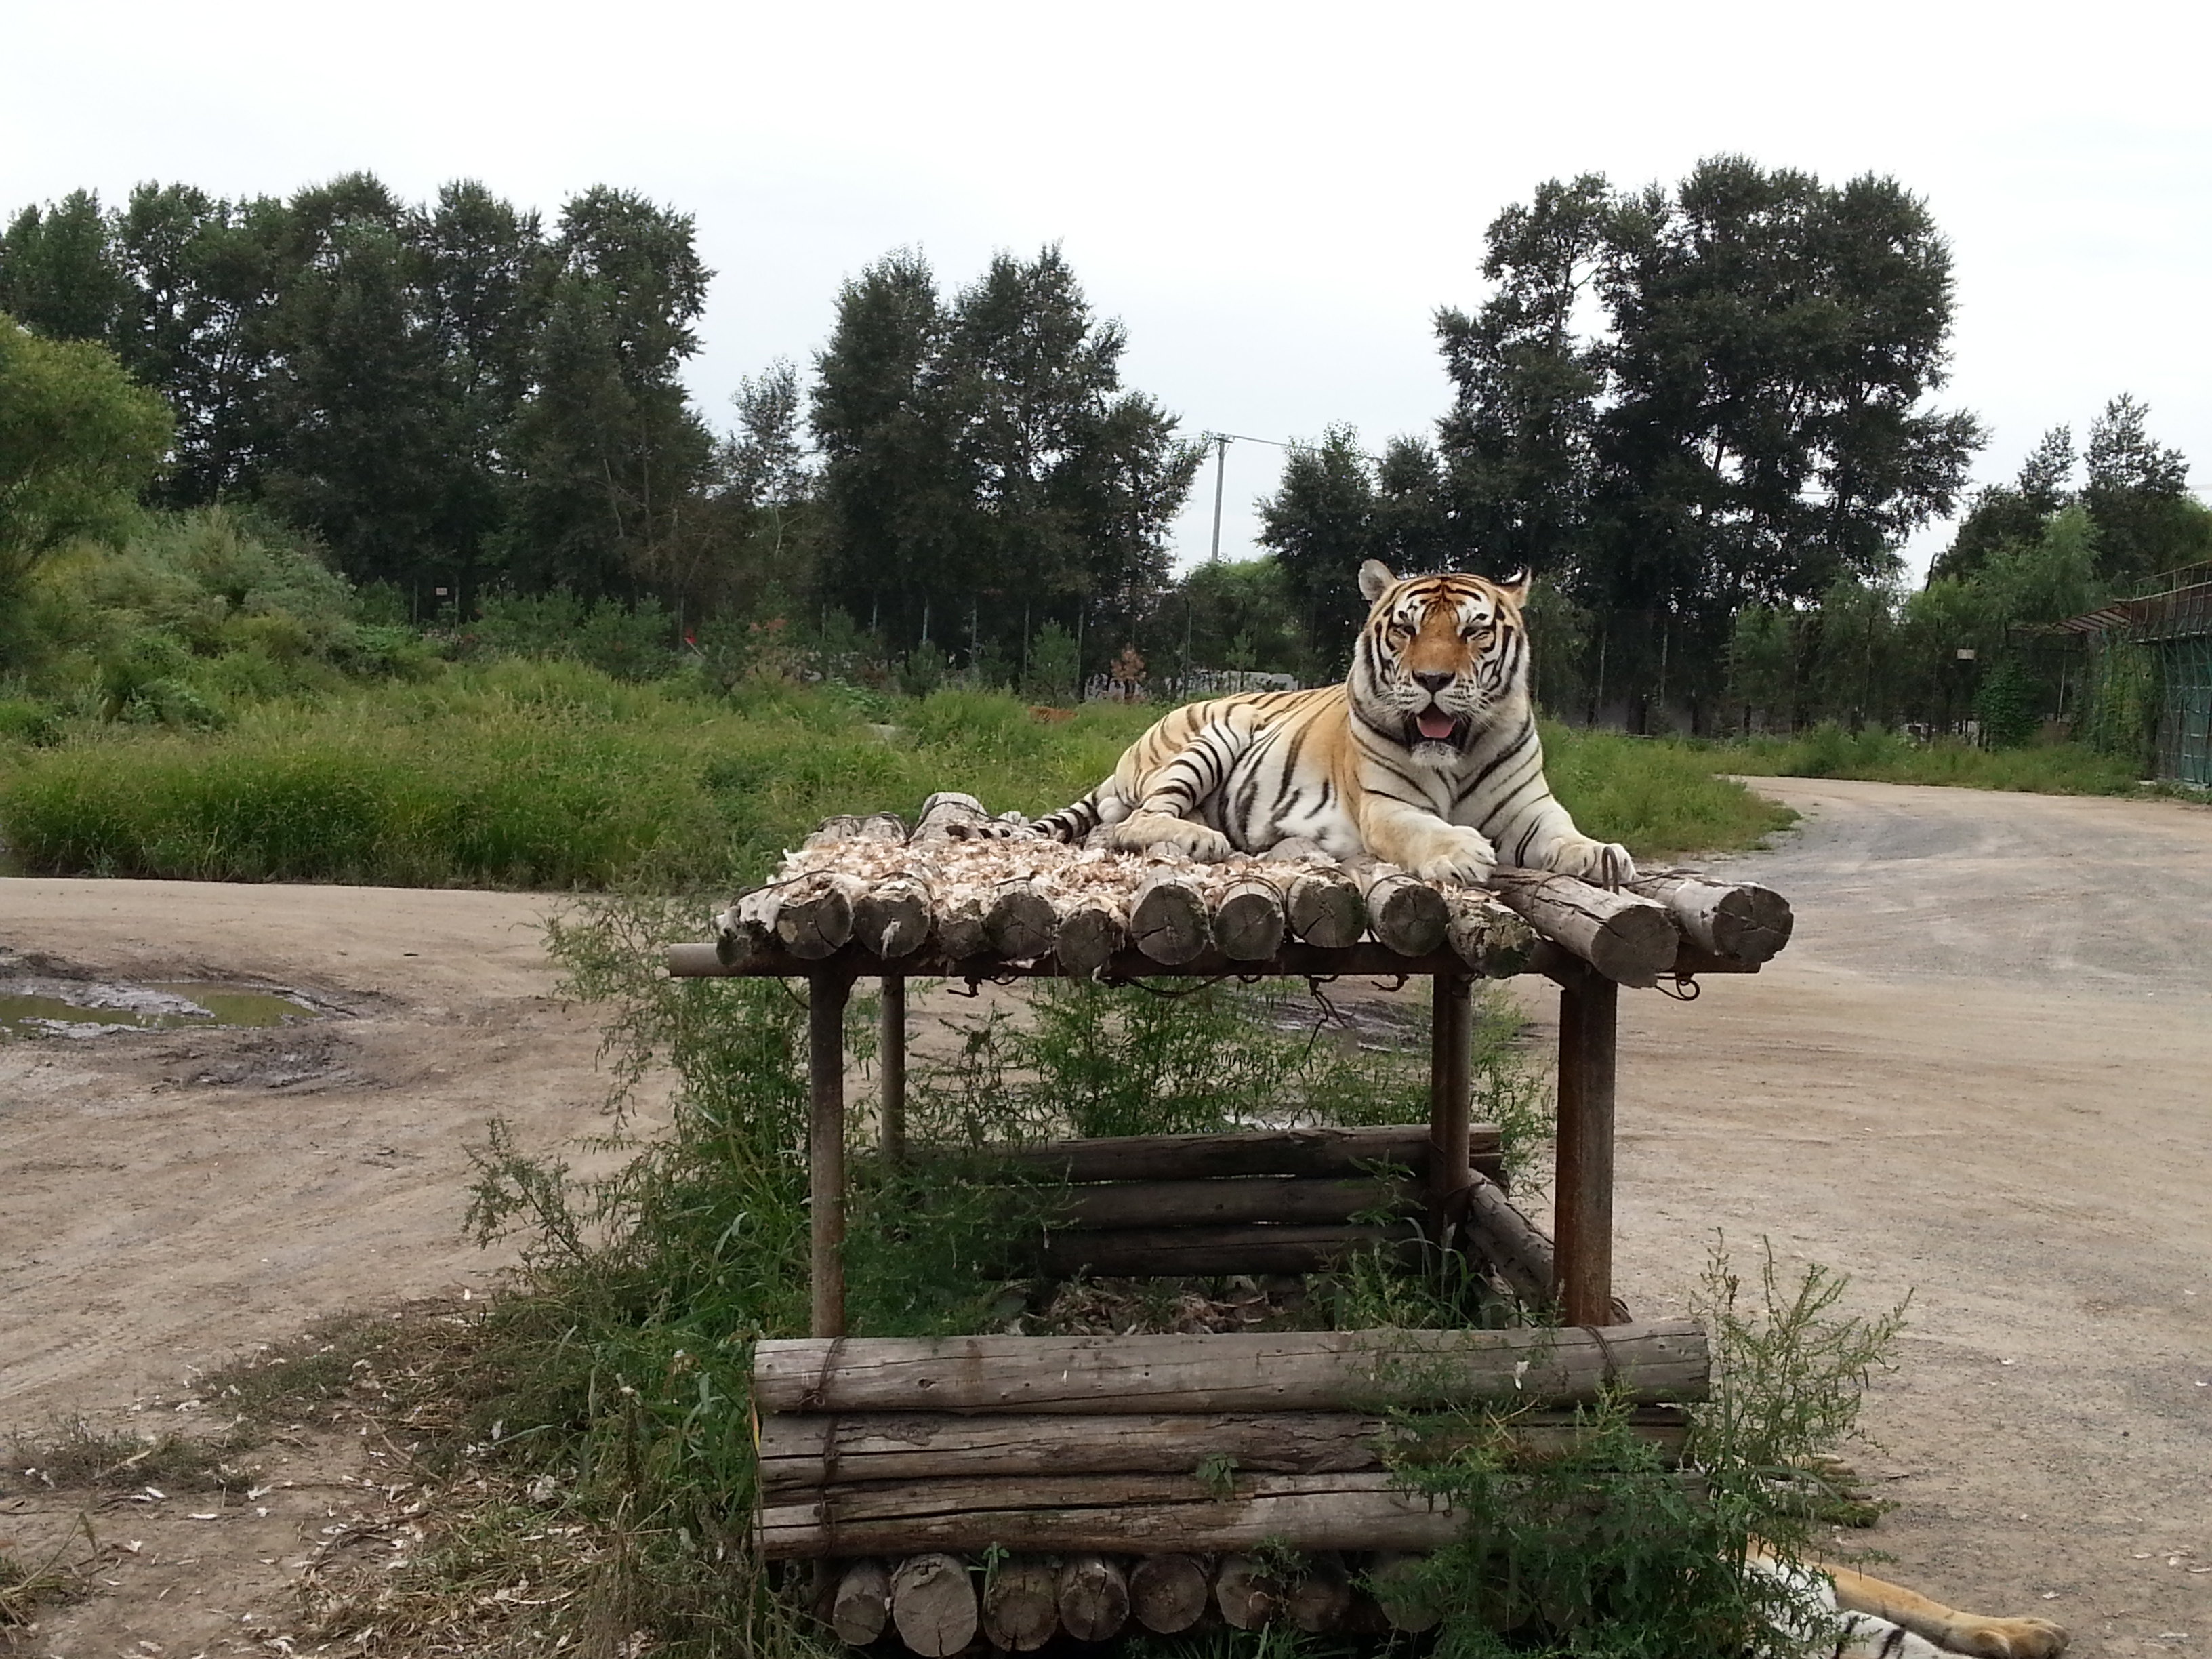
x=1168 y=920
x=1094 y=1598
x=1318 y=1599
x=861 y=1606
x=1406 y=913
x=960 y=925
x=1090 y=931
x=814 y=913
x=1020 y=925
x=933 y=1604
x=1741 y=920
x=1167 y=1594
x=747 y=928
x=1248 y=923
x=1508 y=1240
x=1248 y=1594
x=1320 y=1200
x=1324 y=909
x=1652 y=1362
x=1021 y=1604
x=1487 y=936
x=1117 y=1514
x=803 y=1451
x=1394 y=1578
x=1629 y=940
x=949 y=815
x=893 y=918
x=1241 y=1152
x=1218 y=1252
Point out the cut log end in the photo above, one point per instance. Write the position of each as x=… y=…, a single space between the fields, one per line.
x=1021 y=1605
x=1168 y=921
x=1247 y=1595
x=861 y=1606
x=1094 y=1598
x=933 y=1604
x=1167 y=1594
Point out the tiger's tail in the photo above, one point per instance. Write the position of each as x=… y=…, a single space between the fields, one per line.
x=1073 y=823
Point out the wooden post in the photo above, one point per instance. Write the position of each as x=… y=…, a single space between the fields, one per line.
x=826 y=995
x=1451 y=1043
x=891 y=1060
x=1582 y=1223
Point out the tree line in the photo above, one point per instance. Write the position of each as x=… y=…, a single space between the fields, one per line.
x=1704 y=416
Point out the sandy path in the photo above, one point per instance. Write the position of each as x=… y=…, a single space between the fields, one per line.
x=1982 y=1073
x=168 y=1200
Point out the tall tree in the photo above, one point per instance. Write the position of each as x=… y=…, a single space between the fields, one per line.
x=2137 y=496
x=1689 y=400
x=607 y=450
x=58 y=275
x=984 y=468
x=358 y=390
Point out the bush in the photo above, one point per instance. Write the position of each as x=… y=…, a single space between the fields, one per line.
x=1829 y=751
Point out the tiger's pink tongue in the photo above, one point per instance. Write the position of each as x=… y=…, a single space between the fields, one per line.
x=1434 y=723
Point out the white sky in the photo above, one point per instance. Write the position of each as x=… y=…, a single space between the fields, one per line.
x=1274 y=198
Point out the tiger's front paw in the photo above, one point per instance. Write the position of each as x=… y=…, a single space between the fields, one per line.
x=2013 y=1638
x=1455 y=853
x=1156 y=832
x=1602 y=863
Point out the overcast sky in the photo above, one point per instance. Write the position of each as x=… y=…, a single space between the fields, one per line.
x=1274 y=199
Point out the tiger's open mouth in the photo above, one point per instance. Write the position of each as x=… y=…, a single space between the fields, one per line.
x=1435 y=726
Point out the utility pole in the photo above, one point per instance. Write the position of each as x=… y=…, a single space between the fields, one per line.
x=1220 y=470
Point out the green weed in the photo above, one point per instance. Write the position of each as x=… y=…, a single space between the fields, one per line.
x=1882 y=757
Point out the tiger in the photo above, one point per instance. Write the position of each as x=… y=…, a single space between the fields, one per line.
x=1863 y=1617
x=1425 y=757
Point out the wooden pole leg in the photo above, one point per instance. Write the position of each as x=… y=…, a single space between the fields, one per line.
x=1582 y=1191
x=1451 y=1046
x=827 y=995
x=891 y=1059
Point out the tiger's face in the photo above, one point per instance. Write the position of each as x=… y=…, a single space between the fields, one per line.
x=1439 y=657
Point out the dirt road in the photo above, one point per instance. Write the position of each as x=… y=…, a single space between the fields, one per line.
x=1981 y=1071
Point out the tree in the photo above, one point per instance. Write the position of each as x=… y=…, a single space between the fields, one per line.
x=607 y=451
x=2137 y=494
x=78 y=441
x=984 y=470
x=358 y=391
x=2002 y=514
x=59 y=276
x=1337 y=507
x=1687 y=401
x=203 y=276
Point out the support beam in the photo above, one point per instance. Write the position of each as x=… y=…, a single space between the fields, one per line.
x=1582 y=1226
x=891 y=1061
x=1451 y=1042
x=826 y=996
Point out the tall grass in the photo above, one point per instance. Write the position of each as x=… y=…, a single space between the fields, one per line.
x=1882 y=756
x=552 y=775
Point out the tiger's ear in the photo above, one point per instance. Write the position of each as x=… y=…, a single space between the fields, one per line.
x=1515 y=587
x=1375 y=581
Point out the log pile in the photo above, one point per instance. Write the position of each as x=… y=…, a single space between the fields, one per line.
x=1022 y=1487
x=963 y=892
x=1279 y=1201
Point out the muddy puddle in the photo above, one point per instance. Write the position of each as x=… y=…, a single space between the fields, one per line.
x=38 y=1007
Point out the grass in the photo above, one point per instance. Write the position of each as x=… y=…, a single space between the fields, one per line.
x=552 y=775
x=1882 y=756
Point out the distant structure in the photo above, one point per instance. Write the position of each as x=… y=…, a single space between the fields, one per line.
x=2173 y=622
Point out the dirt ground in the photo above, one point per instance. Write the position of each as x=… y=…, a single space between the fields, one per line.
x=1982 y=1073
